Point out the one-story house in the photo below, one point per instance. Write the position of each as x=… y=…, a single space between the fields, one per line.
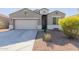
x=28 y=19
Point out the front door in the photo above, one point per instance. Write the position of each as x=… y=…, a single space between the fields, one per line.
x=44 y=21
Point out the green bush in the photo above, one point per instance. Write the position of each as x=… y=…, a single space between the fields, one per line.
x=70 y=26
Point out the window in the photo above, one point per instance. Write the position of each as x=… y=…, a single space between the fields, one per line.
x=55 y=20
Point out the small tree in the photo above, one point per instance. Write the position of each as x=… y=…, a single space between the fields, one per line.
x=70 y=26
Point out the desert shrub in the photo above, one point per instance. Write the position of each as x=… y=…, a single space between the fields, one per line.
x=47 y=37
x=70 y=26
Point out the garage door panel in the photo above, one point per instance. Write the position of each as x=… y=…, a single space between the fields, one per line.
x=26 y=24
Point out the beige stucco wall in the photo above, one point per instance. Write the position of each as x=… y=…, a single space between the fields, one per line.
x=21 y=15
x=32 y=15
x=5 y=21
x=44 y=11
x=52 y=14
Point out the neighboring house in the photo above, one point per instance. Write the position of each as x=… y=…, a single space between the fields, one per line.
x=39 y=19
x=4 y=21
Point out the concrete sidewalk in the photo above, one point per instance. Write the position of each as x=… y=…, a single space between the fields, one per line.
x=23 y=46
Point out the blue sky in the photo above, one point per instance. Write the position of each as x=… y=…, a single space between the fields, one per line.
x=68 y=11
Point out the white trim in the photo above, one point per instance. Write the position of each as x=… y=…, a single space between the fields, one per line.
x=10 y=26
x=56 y=16
x=25 y=18
x=39 y=26
x=53 y=26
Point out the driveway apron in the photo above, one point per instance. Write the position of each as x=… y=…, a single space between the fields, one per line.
x=17 y=40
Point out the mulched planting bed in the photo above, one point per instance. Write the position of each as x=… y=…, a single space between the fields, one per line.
x=59 y=42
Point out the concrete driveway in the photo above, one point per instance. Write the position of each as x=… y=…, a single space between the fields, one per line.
x=17 y=40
